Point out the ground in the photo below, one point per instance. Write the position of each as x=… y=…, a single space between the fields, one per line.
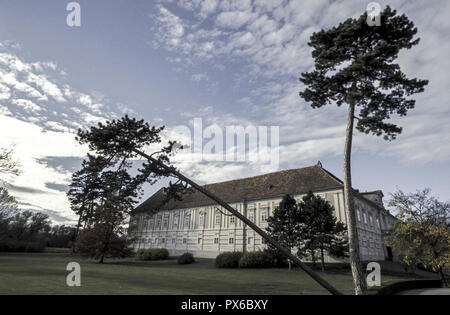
x=45 y=273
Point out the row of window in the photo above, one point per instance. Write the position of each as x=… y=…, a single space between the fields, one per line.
x=370 y=221
x=187 y=220
x=199 y=240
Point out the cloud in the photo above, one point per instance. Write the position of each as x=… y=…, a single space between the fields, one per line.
x=234 y=19
x=264 y=45
x=39 y=116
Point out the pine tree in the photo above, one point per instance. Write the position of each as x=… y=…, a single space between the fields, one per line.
x=320 y=229
x=355 y=65
x=104 y=193
x=284 y=224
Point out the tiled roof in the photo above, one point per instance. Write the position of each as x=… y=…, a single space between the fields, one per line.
x=272 y=185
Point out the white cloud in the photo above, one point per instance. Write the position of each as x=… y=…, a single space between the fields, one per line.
x=39 y=117
x=234 y=19
x=27 y=105
x=31 y=143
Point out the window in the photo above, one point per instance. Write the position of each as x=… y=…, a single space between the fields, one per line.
x=174 y=240
x=199 y=240
x=358 y=215
x=365 y=218
x=156 y=240
x=218 y=217
x=175 y=220
x=158 y=222
x=163 y=241
x=263 y=241
x=216 y=240
x=264 y=216
x=201 y=219
x=232 y=219
x=251 y=215
x=370 y=220
x=184 y=241
x=187 y=220
x=250 y=240
x=231 y=240
x=378 y=223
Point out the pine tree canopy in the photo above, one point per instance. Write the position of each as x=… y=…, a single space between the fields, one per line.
x=355 y=64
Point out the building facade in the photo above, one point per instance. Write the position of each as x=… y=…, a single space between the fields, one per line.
x=199 y=226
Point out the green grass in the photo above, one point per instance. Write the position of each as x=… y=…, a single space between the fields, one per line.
x=45 y=273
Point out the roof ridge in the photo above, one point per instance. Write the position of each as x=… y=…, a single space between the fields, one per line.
x=329 y=174
x=261 y=175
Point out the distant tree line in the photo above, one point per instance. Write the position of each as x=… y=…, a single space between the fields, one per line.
x=25 y=231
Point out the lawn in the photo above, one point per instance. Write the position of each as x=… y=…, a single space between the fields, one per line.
x=45 y=273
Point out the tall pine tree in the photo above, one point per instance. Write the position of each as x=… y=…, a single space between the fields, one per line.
x=355 y=65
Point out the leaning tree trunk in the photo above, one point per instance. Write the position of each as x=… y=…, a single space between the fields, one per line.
x=355 y=261
x=245 y=220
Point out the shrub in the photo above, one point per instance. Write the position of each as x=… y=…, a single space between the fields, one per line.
x=228 y=259
x=152 y=254
x=257 y=259
x=159 y=253
x=277 y=257
x=143 y=254
x=186 y=258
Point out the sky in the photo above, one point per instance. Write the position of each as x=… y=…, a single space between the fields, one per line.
x=227 y=62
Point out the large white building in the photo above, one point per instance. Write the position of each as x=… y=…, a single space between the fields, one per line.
x=197 y=225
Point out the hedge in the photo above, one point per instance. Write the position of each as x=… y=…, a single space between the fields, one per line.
x=228 y=259
x=152 y=254
x=21 y=246
x=259 y=259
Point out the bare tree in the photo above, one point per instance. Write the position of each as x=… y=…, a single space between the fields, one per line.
x=7 y=163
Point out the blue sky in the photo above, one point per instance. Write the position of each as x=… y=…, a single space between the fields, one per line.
x=227 y=62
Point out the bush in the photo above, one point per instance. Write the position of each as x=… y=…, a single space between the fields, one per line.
x=143 y=254
x=152 y=254
x=159 y=253
x=228 y=259
x=277 y=257
x=257 y=259
x=186 y=258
